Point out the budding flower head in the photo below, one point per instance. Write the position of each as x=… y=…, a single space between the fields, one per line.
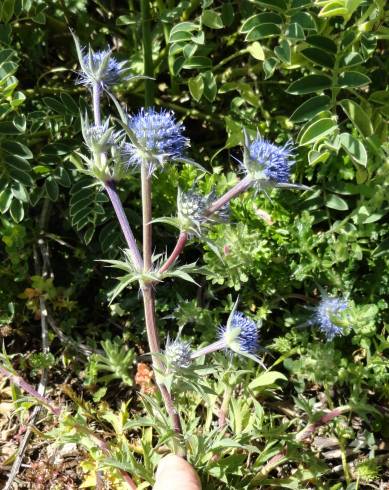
x=98 y=138
x=192 y=207
x=329 y=316
x=156 y=138
x=178 y=354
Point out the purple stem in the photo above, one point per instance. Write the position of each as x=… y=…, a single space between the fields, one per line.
x=218 y=345
x=182 y=239
x=110 y=187
x=23 y=385
x=240 y=187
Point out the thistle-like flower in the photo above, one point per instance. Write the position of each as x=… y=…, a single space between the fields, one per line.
x=156 y=138
x=240 y=335
x=329 y=316
x=267 y=164
x=177 y=354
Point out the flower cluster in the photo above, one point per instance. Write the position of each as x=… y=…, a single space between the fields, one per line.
x=329 y=316
x=156 y=138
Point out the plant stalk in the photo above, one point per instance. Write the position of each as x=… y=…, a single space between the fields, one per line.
x=110 y=187
x=240 y=187
x=182 y=239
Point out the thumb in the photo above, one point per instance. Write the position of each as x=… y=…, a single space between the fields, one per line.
x=174 y=473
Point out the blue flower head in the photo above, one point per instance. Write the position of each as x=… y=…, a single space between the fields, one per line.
x=240 y=334
x=156 y=138
x=102 y=68
x=270 y=161
x=329 y=318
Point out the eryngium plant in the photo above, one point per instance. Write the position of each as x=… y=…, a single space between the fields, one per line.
x=149 y=141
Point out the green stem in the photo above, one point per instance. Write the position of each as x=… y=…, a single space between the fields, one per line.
x=147 y=52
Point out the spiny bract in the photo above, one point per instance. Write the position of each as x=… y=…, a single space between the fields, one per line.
x=102 y=68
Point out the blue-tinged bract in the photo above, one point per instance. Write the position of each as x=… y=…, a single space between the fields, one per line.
x=328 y=316
x=102 y=68
x=158 y=138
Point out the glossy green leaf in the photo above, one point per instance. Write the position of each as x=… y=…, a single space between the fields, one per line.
x=354 y=148
x=316 y=131
x=6 y=10
x=322 y=42
x=352 y=79
x=196 y=87
x=319 y=56
x=16 y=210
x=51 y=188
x=263 y=31
x=311 y=107
x=283 y=51
x=335 y=202
x=350 y=59
x=295 y=31
x=258 y=19
x=197 y=62
x=267 y=378
x=315 y=156
x=357 y=116
x=210 y=87
x=309 y=84
x=212 y=19
x=269 y=65
x=256 y=51
x=304 y=19
x=5 y=200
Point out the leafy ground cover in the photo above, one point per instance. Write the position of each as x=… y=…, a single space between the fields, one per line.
x=313 y=72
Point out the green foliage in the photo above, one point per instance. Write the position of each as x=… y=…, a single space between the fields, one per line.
x=311 y=71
